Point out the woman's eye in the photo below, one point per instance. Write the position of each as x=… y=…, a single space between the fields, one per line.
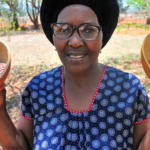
x=63 y=30
x=89 y=30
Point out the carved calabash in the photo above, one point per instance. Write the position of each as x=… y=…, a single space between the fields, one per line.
x=145 y=55
x=5 y=61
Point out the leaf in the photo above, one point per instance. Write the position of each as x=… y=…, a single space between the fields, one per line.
x=19 y=29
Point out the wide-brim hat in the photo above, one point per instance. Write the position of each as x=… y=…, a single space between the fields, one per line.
x=145 y=55
x=107 y=12
x=5 y=56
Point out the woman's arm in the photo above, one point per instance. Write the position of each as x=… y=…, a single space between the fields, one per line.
x=26 y=128
x=145 y=143
x=141 y=137
x=10 y=137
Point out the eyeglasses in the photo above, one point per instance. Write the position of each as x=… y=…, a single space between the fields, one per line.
x=86 y=31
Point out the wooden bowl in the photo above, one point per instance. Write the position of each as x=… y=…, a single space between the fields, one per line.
x=5 y=55
x=145 y=55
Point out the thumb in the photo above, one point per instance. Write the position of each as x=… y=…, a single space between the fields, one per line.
x=2 y=87
x=2 y=97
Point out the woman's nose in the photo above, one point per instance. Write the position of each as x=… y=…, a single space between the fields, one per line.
x=75 y=40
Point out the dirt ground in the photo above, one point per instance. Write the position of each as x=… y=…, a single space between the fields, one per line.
x=32 y=53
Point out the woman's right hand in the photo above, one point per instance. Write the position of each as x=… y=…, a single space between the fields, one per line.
x=2 y=97
x=10 y=136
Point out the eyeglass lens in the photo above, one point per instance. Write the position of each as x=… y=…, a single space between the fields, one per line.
x=86 y=31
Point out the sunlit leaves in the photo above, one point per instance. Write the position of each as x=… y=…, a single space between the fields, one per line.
x=140 y=4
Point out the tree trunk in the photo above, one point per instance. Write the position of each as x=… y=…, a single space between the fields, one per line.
x=148 y=21
x=13 y=9
x=15 y=19
x=33 y=14
x=35 y=22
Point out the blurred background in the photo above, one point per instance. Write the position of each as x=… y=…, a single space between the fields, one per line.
x=32 y=53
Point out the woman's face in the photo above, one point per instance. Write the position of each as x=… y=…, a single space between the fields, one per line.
x=76 y=54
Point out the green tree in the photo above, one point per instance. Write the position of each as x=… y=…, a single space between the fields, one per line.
x=11 y=13
x=123 y=8
x=141 y=5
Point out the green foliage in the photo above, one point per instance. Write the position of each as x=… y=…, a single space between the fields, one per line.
x=142 y=26
x=44 y=67
x=137 y=25
x=19 y=29
x=128 y=24
x=147 y=28
x=140 y=5
x=123 y=9
x=119 y=28
x=10 y=10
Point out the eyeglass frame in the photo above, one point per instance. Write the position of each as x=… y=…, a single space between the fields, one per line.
x=77 y=29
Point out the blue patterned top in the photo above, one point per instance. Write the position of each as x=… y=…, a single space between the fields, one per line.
x=120 y=102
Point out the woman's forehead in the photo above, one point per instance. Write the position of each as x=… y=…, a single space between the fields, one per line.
x=77 y=13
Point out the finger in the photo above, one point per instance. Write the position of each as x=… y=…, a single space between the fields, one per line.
x=2 y=86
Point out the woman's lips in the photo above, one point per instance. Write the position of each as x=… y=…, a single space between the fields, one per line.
x=76 y=56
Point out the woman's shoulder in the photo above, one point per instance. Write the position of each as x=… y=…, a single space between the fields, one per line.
x=117 y=73
x=47 y=76
x=126 y=81
x=123 y=78
x=49 y=73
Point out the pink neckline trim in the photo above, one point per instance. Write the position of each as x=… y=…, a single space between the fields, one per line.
x=142 y=120
x=64 y=97
x=26 y=117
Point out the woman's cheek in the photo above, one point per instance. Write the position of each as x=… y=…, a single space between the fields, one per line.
x=59 y=44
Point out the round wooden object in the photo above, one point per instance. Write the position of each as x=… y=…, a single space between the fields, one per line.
x=5 y=61
x=145 y=55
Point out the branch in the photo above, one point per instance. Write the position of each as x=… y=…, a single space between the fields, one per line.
x=33 y=4
x=38 y=6
x=33 y=9
x=28 y=11
x=8 y=3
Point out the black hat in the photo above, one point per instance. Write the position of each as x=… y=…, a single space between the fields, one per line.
x=107 y=12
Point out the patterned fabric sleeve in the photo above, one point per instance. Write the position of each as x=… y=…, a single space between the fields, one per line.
x=142 y=105
x=26 y=106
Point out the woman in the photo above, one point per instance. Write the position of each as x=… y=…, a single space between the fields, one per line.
x=82 y=104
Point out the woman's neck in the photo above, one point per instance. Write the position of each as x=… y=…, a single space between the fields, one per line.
x=91 y=76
